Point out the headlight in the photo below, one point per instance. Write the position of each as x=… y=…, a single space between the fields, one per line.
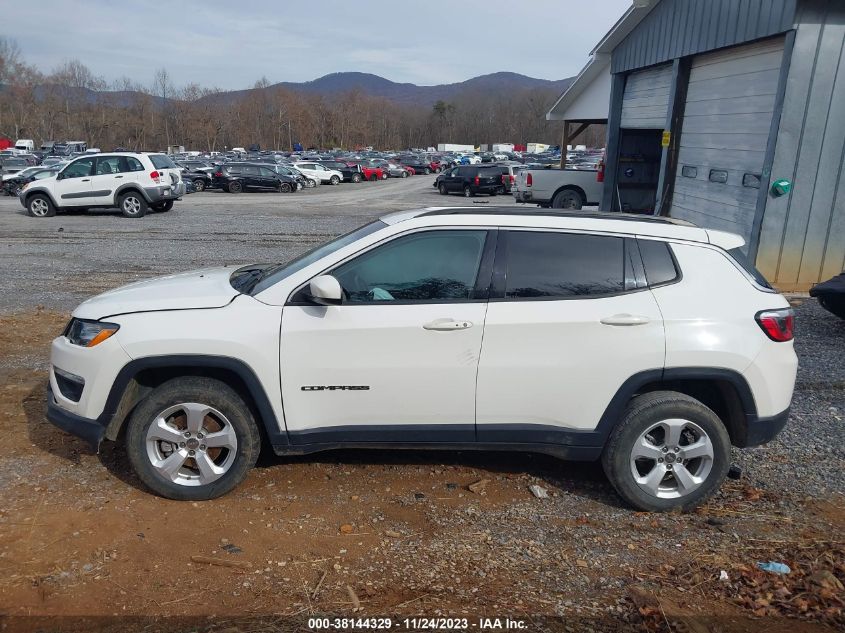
x=89 y=333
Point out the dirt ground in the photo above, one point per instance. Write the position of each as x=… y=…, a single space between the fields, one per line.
x=356 y=534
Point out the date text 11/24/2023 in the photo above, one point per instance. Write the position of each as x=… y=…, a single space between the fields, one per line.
x=419 y=623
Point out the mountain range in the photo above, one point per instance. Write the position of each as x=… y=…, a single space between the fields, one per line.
x=373 y=85
x=407 y=93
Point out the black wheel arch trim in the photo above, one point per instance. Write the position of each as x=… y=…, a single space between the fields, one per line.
x=125 y=376
x=569 y=442
x=32 y=191
x=634 y=385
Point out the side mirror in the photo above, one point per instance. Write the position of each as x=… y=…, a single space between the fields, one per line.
x=59 y=176
x=325 y=290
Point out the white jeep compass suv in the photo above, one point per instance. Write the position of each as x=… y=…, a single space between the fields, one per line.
x=644 y=342
x=132 y=182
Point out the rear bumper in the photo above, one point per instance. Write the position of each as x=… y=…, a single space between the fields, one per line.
x=761 y=431
x=522 y=196
x=89 y=430
x=162 y=193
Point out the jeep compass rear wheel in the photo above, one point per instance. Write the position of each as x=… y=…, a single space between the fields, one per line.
x=192 y=438
x=669 y=452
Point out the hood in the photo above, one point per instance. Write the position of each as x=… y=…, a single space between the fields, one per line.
x=207 y=288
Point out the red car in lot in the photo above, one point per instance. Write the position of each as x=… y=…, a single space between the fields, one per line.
x=370 y=172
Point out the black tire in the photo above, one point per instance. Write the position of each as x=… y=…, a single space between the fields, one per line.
x=40 y=206
x=310 y=183
x=209 y=392
x=163 y=207
x=384 y=175
x=132 y=204
x=373 y=178
x=468 y=192
x=199 y=184
x=442 y=189
x=284 y=187
x=645 y=412
x=568 y=199
x=356 y=178
x=236 y=187
x=404 y=174
x=334 y=180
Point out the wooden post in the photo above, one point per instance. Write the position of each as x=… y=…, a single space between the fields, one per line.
x=563 y=143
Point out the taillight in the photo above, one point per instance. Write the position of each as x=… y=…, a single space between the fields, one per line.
x=155 y=176
x=600 y=172
x=503 y=179
x=529 y=180
x=513 y=179
x=777 y=324
x=477 y=181
x=218 y=174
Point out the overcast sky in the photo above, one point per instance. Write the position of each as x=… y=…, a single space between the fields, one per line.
x=231 y=44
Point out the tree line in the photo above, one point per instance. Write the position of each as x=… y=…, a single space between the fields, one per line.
x=72 y=103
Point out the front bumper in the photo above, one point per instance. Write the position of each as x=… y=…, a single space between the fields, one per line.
x=92 y=431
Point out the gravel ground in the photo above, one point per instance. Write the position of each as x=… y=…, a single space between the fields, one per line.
x=57 y=262
x=82 y=536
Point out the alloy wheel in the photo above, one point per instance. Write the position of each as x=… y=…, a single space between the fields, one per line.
x=191 y=444
x=672 y=458
x=39 y=208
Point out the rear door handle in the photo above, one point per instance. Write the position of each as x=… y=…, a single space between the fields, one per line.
x=625 y=319
x=447 y=325
x=86 y=180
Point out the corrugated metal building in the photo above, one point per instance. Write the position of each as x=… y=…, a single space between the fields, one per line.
x=711 y=103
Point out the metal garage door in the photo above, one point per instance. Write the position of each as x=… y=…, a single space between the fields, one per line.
x=646 y=98
x=728 y=112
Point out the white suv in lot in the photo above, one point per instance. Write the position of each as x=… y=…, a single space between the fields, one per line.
x=319 y=173
x=644 y=342
x=132 y=182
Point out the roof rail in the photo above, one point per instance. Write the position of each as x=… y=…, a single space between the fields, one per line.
x=613 y=215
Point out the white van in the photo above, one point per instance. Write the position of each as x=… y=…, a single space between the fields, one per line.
x=25 y=144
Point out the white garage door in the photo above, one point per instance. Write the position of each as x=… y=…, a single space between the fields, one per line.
x=730 y=99
x=646 y=98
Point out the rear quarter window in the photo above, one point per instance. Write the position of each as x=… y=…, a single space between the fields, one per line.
x=740 y=258
x=160 y=161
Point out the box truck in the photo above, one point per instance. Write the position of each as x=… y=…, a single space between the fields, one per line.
x=454 y=147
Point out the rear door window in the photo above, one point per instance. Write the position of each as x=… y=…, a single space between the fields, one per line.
x=550 y=265
x=659 y=264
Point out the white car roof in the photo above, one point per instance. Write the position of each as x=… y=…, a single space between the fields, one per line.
x=628 y=224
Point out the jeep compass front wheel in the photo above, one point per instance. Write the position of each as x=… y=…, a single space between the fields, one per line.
x=192 y=438
x=669 y=452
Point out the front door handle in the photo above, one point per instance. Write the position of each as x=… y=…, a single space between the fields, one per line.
x=625 y=319
x=118 y=176
x=447 y=325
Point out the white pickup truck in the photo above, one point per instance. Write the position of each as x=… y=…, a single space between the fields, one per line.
x=559 y=188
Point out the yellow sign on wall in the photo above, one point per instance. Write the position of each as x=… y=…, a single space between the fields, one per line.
x=667 y=137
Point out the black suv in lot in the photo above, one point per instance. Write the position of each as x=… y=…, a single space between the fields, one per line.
x=240 y=177
x=471 y=180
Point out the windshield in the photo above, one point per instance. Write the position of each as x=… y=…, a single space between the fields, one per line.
x=275 y=274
